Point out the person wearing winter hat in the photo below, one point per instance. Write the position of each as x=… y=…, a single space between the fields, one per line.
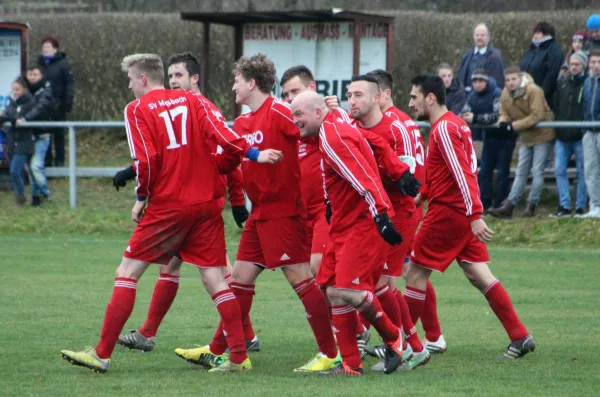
x=593 y=27
x=543 y=59
x=578 y=42
x=568 y=103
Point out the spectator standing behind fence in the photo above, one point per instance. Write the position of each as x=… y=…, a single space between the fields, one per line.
x=543 y=59
x=455 y=92
x=483 y=108
x=591 y=138
x=523 y=106
x=20 y=141
x=593 y=27
x=56 y=68
x=578 y=42
x=483 y=55
x=568 y=105
x=44 y=107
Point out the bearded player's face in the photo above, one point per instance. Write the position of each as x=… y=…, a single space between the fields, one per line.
x=418 y=104
x=361 y=99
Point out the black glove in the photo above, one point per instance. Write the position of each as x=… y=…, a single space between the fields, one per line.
x=408 y=185
x=387 y=230
x=328 y=212
x=506 y=126
x=121 y=178
x=240 y=215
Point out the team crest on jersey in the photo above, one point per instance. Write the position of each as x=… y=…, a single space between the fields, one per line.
x=464 y=128
x=217 y=114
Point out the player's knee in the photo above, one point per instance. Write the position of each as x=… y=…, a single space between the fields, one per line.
x=173 y=267
x=352 y=298
x=478 y=274
x=131 y=268
x=297 y=273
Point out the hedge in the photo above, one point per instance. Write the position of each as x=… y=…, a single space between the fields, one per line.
x=95 y=44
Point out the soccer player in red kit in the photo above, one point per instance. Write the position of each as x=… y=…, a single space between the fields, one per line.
x=363 y=100
x=184 y=73
x=176 y=210
x=274 y=236
x=356 y=252
x=434 y=340
x=294 y=81
x=453 y=228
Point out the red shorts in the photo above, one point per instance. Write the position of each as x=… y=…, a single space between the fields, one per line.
x=354 y=260
x=317 y=230
x=406 y=222
x=274 y=243
x=444 y=236
x=195 y=232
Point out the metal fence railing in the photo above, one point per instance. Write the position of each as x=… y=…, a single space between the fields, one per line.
x=73 y=171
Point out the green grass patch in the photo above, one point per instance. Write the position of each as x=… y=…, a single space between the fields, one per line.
x=103 y=211
x=55 y=290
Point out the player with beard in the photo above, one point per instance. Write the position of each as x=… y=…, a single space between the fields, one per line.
x=363 y=99
x=434 y=340
x=452 y=228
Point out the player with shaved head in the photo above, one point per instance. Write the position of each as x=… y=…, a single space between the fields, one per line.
x=354 y=258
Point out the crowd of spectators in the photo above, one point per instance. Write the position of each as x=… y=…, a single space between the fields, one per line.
x=545 y=86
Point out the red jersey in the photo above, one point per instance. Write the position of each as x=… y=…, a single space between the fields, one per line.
x=352 y=179
x=169 y=134
x=419 y=144
x=311 y=182
x=273 y=189
x=452 y=167
x=399 y=139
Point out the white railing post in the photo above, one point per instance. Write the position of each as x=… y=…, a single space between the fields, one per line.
x=72 y=168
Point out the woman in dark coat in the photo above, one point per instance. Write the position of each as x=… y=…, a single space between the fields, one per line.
x=543 y=59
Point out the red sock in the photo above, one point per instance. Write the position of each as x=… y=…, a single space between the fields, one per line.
x=429 y=317
x=344 y=321
x=247 y=323
x=410 y=331
x=317 y=314
x=117 y=312
x=360 y=327
x=163 y=296
x=248 y=330
x=372 y=310
x=502 y=305
x=415 y=299
x=229 y=310
x=244 y=294
x=390 y=305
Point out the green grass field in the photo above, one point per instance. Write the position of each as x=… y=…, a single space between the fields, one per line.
x=57 y=277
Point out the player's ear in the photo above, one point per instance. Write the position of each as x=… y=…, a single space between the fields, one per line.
x=312 y=86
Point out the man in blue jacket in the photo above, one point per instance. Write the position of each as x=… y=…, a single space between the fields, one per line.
x=591 y=138
x=483 y=55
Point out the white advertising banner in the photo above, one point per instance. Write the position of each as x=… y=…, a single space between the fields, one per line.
x=325 y=48
x=10 y=63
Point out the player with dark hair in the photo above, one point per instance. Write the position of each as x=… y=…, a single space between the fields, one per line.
x=363 y=100
x=274 y=236
x=434 y=340
x=357 y=248
x=176 y=210
x=183 y=73
x=453 y=228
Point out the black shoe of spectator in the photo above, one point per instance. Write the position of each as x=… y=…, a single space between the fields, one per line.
x=579 y=211
x=20 y=200
x=36 y=201
x=561 y=212
x=504 y=211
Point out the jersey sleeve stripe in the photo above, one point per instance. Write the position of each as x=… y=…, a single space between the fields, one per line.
x=137 y=126
x=351 y=178
x=277 y=102
x=347 y=174
x=345 y=116
x=128 y=132
x=453 y=160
